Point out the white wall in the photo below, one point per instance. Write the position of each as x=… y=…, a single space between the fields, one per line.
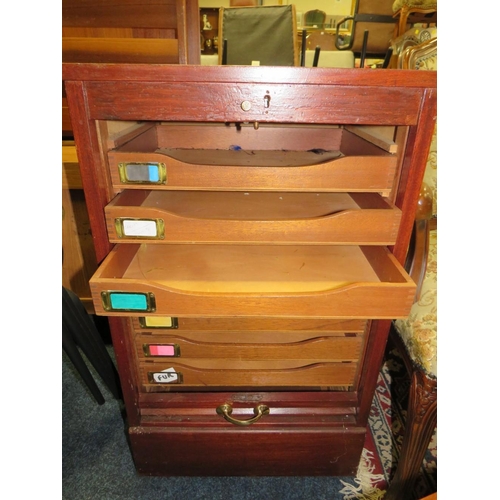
x=332 y=7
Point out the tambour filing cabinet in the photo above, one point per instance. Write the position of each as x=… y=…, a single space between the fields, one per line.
x=250 y=224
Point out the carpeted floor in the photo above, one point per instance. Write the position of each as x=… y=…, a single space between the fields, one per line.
x=97 y=465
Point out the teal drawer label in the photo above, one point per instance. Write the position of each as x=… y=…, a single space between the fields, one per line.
x=125 y=301
x=128 y=301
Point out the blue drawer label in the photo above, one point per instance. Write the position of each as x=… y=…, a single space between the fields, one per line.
x=154 y=175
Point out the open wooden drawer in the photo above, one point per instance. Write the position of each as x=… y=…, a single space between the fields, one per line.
x=252 y=280
x=166 y=325
x=228 y=157
x=203 y=373
x=251 y=217
x=249 y=346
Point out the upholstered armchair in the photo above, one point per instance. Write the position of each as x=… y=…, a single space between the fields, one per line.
x=416 y=336
x=409 y=12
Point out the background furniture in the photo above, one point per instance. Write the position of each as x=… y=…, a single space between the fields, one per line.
x=141 y=31
x=322 y=39
x=315 y=18
x=80 y=332
x=78 y=256
x=372 y=26
x=250 y=242
x=267 y=34
x=416 y=336
x=409 y=12
x=330 y=59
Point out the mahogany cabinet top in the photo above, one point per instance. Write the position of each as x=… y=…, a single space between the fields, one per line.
x=249 y=74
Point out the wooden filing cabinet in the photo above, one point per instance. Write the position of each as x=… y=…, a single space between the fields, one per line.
x=250 y=224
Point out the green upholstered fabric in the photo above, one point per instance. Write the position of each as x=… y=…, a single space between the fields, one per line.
x=419 y=330
x=265 y=34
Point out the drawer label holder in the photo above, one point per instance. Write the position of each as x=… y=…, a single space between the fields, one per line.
x=128 y=301
x=127 y=227
x=142 y=173
x=162 y=350
x=158 y=322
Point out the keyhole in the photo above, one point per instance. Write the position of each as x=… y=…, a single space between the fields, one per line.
x=267 y=99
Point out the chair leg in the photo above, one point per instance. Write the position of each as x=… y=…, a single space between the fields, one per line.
x=86 y=336
x=75 y=357
x=420 y=424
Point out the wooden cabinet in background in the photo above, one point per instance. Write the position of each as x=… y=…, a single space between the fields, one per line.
x=78 y=254
x=250 y=226
x=209 y=29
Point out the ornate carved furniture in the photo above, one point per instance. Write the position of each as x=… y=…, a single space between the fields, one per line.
x=416 y=336
x=250 y=224
x=409 y=12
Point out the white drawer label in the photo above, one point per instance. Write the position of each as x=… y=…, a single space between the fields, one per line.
x=139 y=228
x=167 y=376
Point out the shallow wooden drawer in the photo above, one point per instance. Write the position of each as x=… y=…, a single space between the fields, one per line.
x=195 y=373
x=252 y=280
x=249 y=346
x=252 y=217
x=280 y=158
x=162 y=325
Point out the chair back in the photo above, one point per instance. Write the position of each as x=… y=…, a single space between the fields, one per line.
x=267 y=34
x=374 y=16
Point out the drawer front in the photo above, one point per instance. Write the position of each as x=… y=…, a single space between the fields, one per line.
x=278 y=157
x=248 y=346
x=356 y=173
x=252 y=217
x=202 y=374
x=223 y=101
x=242 y=451
x=162 y=325
x=239 y=280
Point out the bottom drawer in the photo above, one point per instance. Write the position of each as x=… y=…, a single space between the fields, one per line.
x=247 y=451
x=200 y=373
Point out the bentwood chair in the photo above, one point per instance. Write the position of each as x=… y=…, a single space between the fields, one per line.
x=371 y=28
x=416 y=336
x=266 y=35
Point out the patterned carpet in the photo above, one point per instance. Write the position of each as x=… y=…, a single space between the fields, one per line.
x=383 y=442
x=97 y=464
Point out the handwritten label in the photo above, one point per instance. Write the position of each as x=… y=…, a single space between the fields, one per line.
x=167 y=376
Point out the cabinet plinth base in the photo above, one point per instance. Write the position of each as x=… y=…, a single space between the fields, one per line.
x=246 y=452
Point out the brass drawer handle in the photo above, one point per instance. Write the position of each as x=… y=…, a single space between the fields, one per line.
x=225 y=410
